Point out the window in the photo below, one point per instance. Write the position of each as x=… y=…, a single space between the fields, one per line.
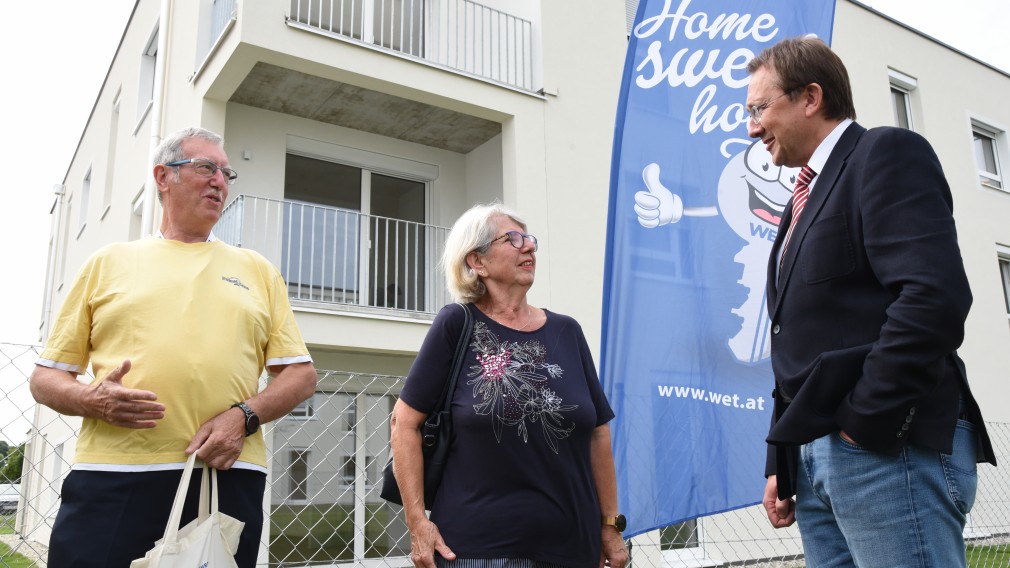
x=679 y=536
x=66 y=239
x=900 y=106
x=298 y=474
x=58 y=463
x=630 y=10
x=1004 y=274
x=137 y=216
x=682 y=544
x=347 y=470
x=395 y=24
x=901 y=97
x=82 y=207
x=145 y=89
x=110 y=158
x=986 y=143
x=305 y=409
x=353 y=235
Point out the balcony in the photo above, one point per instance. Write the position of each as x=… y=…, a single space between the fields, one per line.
x=335 y=256
x=458 y=35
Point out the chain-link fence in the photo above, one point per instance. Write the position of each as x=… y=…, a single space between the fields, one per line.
x=323 y=504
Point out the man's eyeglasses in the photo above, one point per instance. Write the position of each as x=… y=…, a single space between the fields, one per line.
x=207 y=168
x=756 y=111
x=517 y=239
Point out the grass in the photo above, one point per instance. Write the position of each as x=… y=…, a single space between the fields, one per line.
x=984 y=556
x=988 y=556
x=9 y=559
x=324 y=533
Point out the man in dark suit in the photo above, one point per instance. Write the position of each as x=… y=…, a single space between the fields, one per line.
x=874 y=430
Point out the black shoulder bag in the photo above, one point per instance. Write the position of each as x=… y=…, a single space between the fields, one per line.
x=435 y=433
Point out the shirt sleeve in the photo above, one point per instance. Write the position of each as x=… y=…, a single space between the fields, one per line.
x=426 y=379
x=285 y=345
x=67 y=347
x=604 y=413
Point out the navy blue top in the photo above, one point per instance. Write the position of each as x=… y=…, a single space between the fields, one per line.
x=519 y=480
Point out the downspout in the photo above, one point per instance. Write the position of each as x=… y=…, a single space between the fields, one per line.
x=54 y=255
x=157 y=115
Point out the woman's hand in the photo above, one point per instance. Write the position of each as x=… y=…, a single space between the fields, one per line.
x=425 y=540
x=613 y=554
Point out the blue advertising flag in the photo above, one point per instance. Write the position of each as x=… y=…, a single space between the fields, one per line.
x=694 y=208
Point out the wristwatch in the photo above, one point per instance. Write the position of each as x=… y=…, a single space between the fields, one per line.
x=618 y=522
x=252 y=421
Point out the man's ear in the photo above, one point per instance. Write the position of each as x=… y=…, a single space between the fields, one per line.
x=813 y=99
x=161 y=173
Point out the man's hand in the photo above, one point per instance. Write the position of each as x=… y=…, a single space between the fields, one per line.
x=219 y=441
x=613 y=554
x=120 y=406
x=781 y=513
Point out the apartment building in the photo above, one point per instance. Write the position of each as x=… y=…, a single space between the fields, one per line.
x=360 y=130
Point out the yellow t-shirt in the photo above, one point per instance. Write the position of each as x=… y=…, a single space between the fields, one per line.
x=198 y=321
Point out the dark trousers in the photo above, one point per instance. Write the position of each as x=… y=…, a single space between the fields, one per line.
x=108 y=519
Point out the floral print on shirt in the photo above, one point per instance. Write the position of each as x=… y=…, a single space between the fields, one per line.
x=510 y=384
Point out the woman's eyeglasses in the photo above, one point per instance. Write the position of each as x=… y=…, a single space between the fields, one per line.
x=517 y=239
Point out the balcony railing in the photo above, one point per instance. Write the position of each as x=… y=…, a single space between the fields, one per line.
x=458 y=34
x=339 y=256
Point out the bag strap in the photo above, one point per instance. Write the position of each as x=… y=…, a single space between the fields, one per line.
x=457 y=361
x=208 y=484
x=172 y=529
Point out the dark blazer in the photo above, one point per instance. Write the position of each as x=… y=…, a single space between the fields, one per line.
x=869 y=306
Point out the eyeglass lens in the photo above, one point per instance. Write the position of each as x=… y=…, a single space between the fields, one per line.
x=516 y=239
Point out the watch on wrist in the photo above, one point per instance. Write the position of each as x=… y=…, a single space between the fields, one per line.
x=618 y=522
x=252 y=421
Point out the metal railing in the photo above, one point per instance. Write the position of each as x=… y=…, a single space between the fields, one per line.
x=340 y=256
x=322 y=504
x=458 y=34
x=215 y=19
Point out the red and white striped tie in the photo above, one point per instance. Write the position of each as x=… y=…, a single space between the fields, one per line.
x=800 y=193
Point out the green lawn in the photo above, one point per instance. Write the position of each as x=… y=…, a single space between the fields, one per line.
x=324 y=533
x=983 y=556
x=6 y=524
x=10 y=560
x=988 y=556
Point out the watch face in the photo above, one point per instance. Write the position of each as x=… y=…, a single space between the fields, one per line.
x=252 y=423
x=621 y=523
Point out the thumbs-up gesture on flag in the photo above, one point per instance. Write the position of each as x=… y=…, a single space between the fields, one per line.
x=657 y=206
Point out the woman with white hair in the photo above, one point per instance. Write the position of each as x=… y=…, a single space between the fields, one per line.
x=529 y=481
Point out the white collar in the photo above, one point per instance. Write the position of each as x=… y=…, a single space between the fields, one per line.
x=820 y=157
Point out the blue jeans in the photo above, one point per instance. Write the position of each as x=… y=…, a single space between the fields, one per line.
x=857 y=508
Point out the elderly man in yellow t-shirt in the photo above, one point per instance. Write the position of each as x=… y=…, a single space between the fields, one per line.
x=178 y=329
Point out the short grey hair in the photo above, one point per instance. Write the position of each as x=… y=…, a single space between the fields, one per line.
x=170 y=149
x=472 y=232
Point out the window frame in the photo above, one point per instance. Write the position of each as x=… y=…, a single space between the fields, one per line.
x=1003 y=264
x=993 y=137
x=902 y=85
x=146 y=77
x=299 y=454
x=306 y=409
x=82 y=207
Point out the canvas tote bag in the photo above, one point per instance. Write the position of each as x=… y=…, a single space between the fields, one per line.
x=208 y=541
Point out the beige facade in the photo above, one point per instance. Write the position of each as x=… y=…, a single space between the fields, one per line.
x=513 y=101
